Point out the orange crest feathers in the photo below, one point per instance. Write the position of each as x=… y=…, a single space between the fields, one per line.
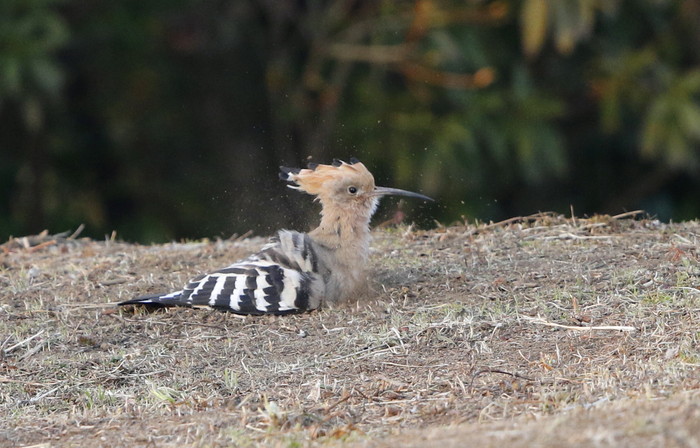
x=318 y=179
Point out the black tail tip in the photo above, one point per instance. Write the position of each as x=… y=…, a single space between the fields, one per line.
x=144 y=304
x=133 y=302
x=285 y=171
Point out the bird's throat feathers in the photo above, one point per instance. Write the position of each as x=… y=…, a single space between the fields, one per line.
x=346 y=226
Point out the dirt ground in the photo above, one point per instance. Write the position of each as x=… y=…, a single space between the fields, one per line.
x=537 y=331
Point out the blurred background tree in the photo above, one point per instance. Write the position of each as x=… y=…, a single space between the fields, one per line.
x=167 y=119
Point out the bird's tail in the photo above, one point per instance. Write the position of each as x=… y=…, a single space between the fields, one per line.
x=157 y=300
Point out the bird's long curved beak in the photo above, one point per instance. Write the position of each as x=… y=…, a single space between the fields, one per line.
x=385 y=191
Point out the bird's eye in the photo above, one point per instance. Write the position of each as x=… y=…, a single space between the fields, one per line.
x=352 y=190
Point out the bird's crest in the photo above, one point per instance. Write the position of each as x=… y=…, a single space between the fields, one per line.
x=318 y=178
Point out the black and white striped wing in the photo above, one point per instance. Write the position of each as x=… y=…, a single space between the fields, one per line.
x=257 y=287
x=292 y=249
x=274 y=281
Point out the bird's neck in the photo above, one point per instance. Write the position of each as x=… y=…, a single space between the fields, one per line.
x=345 y=230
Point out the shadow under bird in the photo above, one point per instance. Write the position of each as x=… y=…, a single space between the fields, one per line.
x=296 y=271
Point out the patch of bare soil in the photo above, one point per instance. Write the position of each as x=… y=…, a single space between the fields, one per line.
x=536 y=331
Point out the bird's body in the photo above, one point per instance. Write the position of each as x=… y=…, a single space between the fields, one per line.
x=298 y=272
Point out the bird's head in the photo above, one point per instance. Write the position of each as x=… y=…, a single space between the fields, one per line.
x=342 y=184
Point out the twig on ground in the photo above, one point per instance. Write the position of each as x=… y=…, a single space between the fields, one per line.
x=502 y=372
x=346 y=397
x=4 y=379
x=236 y=238
x=41 y=246
x=627 y=214
x=177 y=323
x=414 y=366
x=572 y=236
x=112 y=282
x=77 y=232
x=40 y=396
x=573 y=327
x=21 y=343
x=505 y=222
x=88 y=306
x=37 y=348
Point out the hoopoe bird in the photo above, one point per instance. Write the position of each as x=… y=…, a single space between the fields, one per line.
x=298 y=272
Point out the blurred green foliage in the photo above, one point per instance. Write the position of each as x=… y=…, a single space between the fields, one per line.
x=167 y=119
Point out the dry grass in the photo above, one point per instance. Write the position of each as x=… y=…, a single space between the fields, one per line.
x=540 y=330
